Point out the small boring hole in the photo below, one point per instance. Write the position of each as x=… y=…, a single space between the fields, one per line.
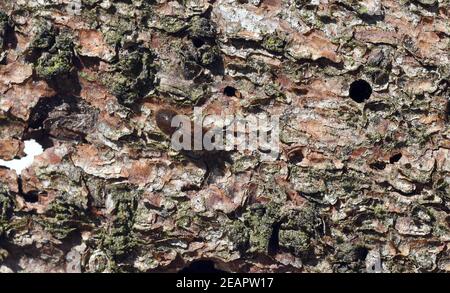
x=295 y=156
x=229 y=91
x=360 y=90
x=378 y=165
x=395 y=158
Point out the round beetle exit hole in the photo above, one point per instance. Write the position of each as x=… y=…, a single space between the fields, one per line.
x=360 y=91
x=229 y=91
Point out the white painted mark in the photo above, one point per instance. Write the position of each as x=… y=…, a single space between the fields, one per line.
x=32 y=149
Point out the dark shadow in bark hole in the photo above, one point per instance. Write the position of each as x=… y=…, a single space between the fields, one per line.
x=361 y=253
x=395 y=158
x=360 y=91
x=245 y=44
x=295 y=156
x=86 y=62
x=41 y=137
x=371 y=19
x=201 y=266
x=377 y=106
x=10 y=38
x=45 y=105
x=217 y=67
x=198 y=42
x=378 y=165
x=325 y=62
x=433 y=8
x=62 y=118
x=68 y=84
x=447 y=112
x=215 y=163
x=274 y=241
x=229 y=91
x=31 y=196
x=327 y=19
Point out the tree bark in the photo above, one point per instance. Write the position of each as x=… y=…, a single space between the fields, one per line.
x=361 y=182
